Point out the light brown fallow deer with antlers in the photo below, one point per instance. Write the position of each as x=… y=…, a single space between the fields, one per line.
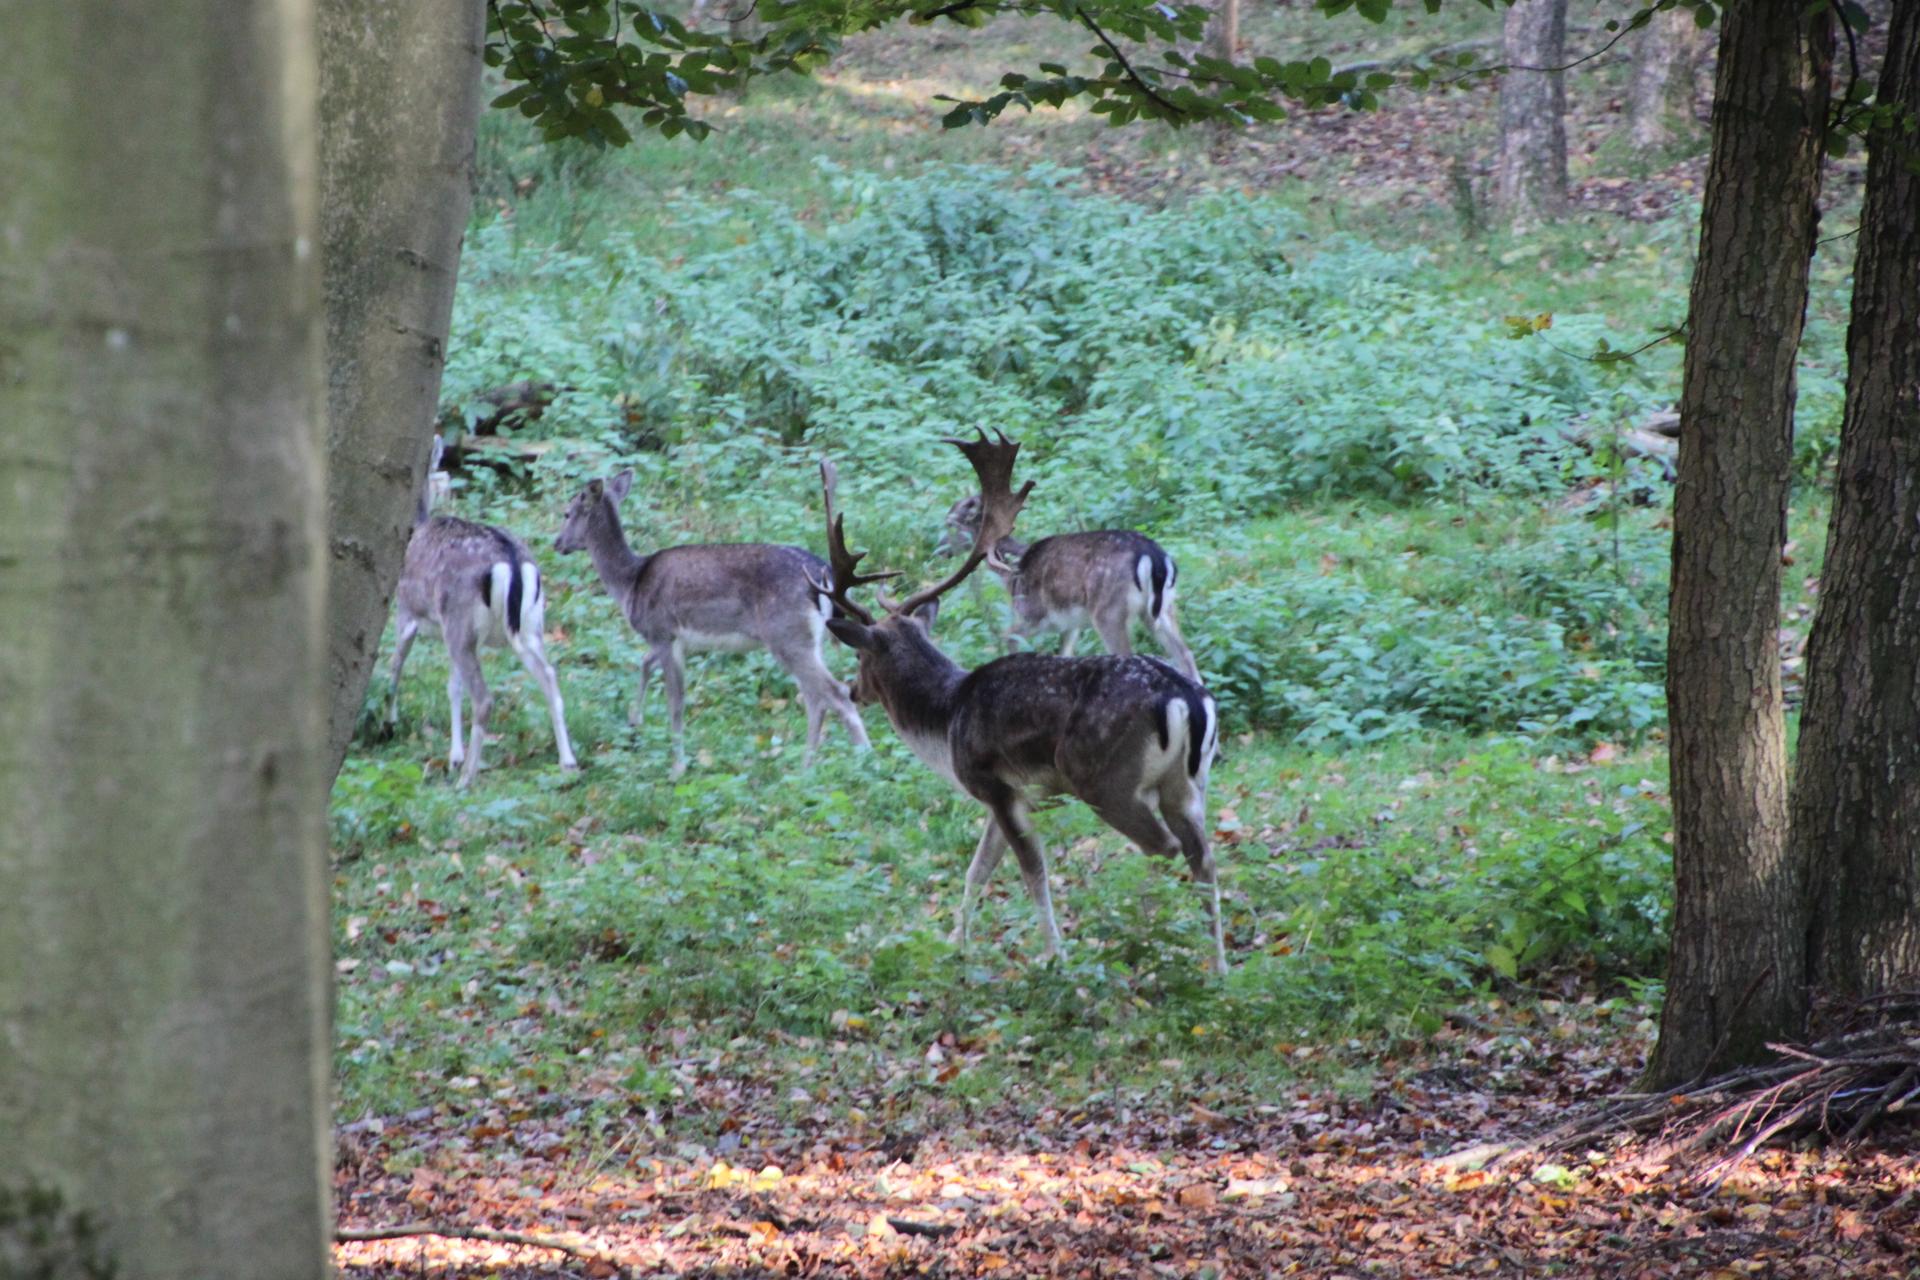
x=1130 y=736
x=1109 y=578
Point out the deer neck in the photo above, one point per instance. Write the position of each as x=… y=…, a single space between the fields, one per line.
x=919 y=690
x=617 y=563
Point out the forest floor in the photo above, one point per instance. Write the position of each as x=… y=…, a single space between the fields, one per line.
x=1318 y=1181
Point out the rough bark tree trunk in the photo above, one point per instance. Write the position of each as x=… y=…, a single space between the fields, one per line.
x=399 y=102
x=1736 y=972
x=1856 y=798
x=1663 y=61
x=1531 y=179
x=163 y=977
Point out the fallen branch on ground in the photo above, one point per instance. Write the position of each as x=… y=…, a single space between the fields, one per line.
x=532 y=1239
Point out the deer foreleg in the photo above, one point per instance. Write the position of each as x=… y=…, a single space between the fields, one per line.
x=1010 y=815
x=986 y=857
x=674 y=664
x=407 y=629
x=638 y=711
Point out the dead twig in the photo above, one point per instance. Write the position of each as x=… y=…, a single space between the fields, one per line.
x=531 y=1239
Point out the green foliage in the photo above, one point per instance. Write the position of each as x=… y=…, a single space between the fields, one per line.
x=1208 y=362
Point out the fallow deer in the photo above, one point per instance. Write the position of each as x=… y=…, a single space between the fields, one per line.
x=478 y=586
x=1110 y=578
x=729 y=596
x=1130 y=736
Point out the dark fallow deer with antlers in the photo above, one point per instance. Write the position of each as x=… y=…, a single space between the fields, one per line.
x=1109 y=578
x=1130 y=736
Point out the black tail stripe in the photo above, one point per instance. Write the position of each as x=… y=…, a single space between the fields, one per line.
x=1162 y=574
x=1196 y=729
x=514 y=591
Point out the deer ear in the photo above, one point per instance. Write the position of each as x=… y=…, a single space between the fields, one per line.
x=855 y=635
x=620 y=485
x=926 y=613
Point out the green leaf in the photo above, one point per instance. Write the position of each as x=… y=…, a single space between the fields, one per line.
x=1502 y=962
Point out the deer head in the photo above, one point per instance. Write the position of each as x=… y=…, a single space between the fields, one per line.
x=593 y=505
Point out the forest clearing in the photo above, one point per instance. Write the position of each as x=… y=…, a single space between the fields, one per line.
x=662 y=927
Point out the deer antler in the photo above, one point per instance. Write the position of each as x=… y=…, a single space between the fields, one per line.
x=999 y=505
x=843 y=563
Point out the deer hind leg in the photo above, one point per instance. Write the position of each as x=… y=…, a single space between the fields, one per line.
x=463 y=655
x=532 y=650
x=986 y=857
x=674 y=664
x=1185 y=809
x=1011 y=816
x=405 y=629
x=821 y=693
x=1167 y=629
x=1115 y=625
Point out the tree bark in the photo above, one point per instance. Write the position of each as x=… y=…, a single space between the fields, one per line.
x=1736 y=973
x=163 y=976
x=1856 y=799
x=399 y=103
x=1531 y=180
x=1223 y=29
x=1662 y=77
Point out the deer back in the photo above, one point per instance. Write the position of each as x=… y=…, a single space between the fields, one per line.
x=1087 y=726
x=728 y=595
x=460 y=571
x=1079 y=572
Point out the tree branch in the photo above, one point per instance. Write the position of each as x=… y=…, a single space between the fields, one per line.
x=1087 y=21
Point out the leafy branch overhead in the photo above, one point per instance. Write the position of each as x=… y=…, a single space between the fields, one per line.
x=572 y=64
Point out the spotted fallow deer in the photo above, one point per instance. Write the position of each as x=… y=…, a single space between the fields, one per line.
x=1130 y=736
x=478 y=586
x=1110 y=578
x=734 y=596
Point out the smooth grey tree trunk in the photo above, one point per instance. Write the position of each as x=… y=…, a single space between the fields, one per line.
x=1223 y=29
x=1856 y=798
x=399 y=102
x=1530 y=182
x=1736 y=974
x=163 y=976
x=1664 y=54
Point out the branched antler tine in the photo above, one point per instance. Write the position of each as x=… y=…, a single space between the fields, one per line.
x=843 y=563
x=999 y=506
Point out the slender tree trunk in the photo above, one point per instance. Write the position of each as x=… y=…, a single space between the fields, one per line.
x=1663 y=62
x=163 y=977
x=1531 y=181
x=1223 y=29
x=1736 y=974
x=399 y=102
x=1856 y=798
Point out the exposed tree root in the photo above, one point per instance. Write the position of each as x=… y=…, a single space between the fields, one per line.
x=1839 y=1087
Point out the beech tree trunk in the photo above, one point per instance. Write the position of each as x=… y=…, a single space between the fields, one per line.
x=1736 y=973
x=1856 y=798
x=1663 y=60
x=399 y=103
x=1531 y=180
x=163 y=936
